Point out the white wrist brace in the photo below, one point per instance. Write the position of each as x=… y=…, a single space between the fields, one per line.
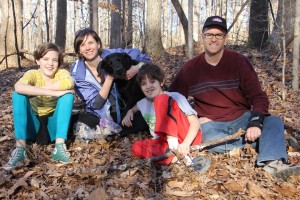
x=173 y=142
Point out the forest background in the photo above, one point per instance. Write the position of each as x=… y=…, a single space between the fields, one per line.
x=266 y=31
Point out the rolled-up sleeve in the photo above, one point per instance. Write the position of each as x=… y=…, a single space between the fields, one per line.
x=99 y=102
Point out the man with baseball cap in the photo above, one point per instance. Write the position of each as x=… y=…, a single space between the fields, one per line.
x=228 y=96
x=216 y=21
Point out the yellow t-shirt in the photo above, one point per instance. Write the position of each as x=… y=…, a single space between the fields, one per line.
x=44 y=105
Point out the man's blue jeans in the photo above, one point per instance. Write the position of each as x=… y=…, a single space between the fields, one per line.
x=271 y=143
x=27 y=124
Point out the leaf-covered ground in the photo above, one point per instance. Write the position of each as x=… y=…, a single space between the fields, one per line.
x=105 y=169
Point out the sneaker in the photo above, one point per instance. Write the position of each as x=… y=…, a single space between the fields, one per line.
x=18 y=155
x=293 y=143
x=201 y=164
x=60 y=153
x=281 y=170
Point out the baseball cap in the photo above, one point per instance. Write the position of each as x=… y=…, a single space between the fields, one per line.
x=216 y=21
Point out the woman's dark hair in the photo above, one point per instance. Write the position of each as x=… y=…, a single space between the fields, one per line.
x=150 y=71
x=79 y=38
x=44 y=48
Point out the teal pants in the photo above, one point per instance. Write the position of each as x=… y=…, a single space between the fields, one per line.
x=27 y=124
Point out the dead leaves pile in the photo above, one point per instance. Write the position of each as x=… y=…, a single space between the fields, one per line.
x=106 y=169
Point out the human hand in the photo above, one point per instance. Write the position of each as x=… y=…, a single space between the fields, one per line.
x=132 y=72
x=59 y=93
x=252 y=134
x=184 y=148
x=109 y=77
x=128 y=118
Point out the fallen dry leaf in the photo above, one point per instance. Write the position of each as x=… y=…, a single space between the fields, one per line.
x=20 y=182
x=178 y=193
x=175 y=184
x=256 y=191
x=286 y=190
x=234 y=187
x=99 y=193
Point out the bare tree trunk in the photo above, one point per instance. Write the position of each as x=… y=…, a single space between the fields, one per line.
x=16 y=33
x=39 y=26
x=61 y=16
x=258 y=23
x=218 y=8
x=182 y=17
x=143 y=25
x=172 y=24
x=51 y=21
x=190 y=30
x=289 y=13
x=225 y=10
x=129 y=27
x=10 y=32
x=75 y=15
x=108 y=23
x=47 y=22
x=283 y=89
x=295 y=82
x=115 y=32
x=153 y=43
x=207 y=8
x=197 y=20
x=165 y=22
x=93 y=5
x=27 y=29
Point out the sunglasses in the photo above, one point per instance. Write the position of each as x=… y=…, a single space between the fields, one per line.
x=83 y=31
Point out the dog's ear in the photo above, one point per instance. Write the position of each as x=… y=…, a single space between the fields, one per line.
x=107 y=65
x=100 y=71
x=100 y=68
x=129 y=60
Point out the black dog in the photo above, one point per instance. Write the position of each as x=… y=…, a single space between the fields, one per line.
x=116 y=65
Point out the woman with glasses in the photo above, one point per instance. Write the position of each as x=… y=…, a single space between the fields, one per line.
x=101 y=100
x=228 y=96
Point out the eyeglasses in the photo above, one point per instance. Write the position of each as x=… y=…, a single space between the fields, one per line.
x=219 y=36
x=83 y=31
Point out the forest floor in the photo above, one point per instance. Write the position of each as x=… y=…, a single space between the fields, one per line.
x=105 y=169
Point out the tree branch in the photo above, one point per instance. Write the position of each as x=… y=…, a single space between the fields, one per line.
x=200 y=147
x=238 y=14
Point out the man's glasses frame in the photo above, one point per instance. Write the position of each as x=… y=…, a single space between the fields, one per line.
x=218 y=36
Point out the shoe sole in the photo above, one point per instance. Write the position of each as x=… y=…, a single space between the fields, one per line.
x=10 y=168
x=201 y=164
x=60 y=161
x=285 y=174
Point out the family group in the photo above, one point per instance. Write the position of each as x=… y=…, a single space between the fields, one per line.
x=223 y=83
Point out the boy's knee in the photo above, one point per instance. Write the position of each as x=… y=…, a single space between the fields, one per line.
x=137 y=148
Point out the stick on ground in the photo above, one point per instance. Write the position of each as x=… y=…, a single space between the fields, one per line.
x=200 y=147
